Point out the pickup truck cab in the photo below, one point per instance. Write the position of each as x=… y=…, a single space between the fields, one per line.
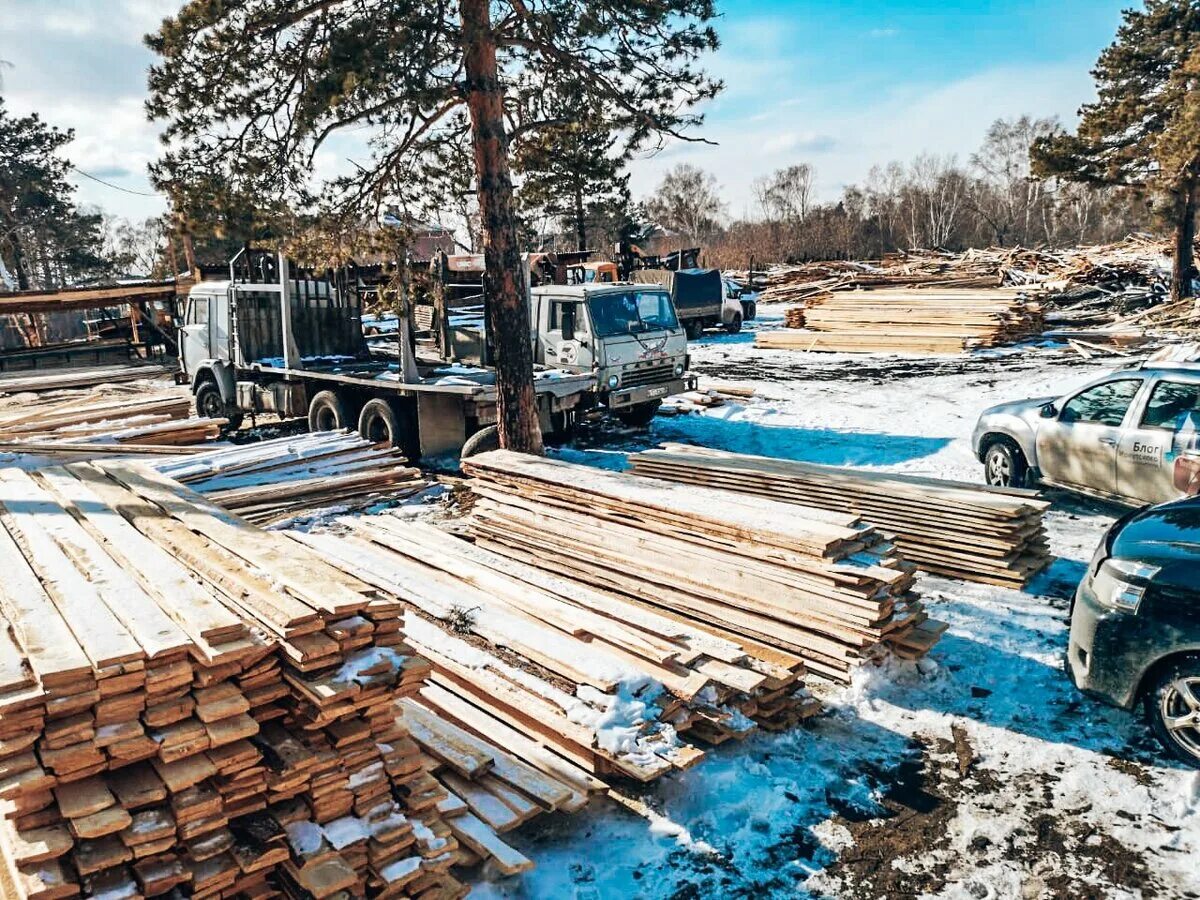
x=627 y=335
x=1119 y=438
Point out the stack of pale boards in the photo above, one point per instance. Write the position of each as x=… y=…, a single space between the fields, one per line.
x=116 y=418
x=908 y=321
x=990 y=535
x=189 y=703
x=281 y=478
x=819 y=585
x=38 y=382
x=608 y=682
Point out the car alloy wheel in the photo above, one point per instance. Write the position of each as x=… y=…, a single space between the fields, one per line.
x=1179 y=708
x=999 y=468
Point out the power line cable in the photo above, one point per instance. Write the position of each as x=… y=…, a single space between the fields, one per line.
x=115 y=187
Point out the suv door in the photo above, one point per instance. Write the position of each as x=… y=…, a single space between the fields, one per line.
x=1166 y=428
x=1078 y=446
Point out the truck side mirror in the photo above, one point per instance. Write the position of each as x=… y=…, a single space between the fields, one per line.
x=568 y=321
x=1049 y=411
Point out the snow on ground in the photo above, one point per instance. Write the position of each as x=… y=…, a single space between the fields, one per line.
x=980 y=773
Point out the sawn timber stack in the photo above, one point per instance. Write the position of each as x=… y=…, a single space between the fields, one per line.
x=909 y=321
x=819 y=584
x=188 y=701
x=990 y=535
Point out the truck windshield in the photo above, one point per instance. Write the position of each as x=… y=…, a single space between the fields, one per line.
x=632 y=312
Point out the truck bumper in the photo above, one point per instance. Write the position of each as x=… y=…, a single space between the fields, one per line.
x=648 y=393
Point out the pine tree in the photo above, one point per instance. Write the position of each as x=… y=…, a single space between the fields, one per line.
x=574 y=172
x=1143 y=131
x=255 y=89
x=44 y=240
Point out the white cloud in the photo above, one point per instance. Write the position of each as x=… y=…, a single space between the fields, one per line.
x=844 y=143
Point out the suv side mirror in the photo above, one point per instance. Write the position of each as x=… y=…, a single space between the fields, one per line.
x=568 y=322
x=1049 y=411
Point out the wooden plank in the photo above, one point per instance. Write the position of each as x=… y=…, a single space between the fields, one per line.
x=482 y=840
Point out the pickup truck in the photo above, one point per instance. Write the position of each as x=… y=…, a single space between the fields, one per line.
x=1119 y=438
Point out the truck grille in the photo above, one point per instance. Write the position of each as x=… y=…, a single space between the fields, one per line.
x=657 y=374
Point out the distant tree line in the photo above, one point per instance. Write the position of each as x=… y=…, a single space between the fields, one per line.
x=993 y=199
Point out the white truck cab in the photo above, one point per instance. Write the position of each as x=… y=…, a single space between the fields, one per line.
x=628 y=335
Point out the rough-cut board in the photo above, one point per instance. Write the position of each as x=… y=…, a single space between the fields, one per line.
x=953 y=528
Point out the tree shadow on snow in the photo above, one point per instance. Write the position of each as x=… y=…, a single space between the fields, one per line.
x=1021 y=694
x=813 y=445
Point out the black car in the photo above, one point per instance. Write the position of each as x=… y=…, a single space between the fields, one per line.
x=1135 y=624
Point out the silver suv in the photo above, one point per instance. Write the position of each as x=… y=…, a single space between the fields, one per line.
x=1117 y=438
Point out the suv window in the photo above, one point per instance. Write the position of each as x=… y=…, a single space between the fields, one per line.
x=1104 y=404
x=1171 y=404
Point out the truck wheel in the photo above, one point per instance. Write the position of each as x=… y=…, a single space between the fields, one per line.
x=693 y=329
x=736 y=325
x=210 y=405
x=327 y=412
x=1173 y=709
x=749 y=310
x=1004 y=465
x=482 y=441
x=640 y=416
x=379 y=424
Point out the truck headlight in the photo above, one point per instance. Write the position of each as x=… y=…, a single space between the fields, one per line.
x=1121 y=583
x=613 y=381
x=678 y=369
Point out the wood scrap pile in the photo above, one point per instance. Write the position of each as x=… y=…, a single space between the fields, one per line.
x=820 y=585
x=280 y=478
x=190 y=703
x=85 y=423
x=909 y=321
x=606 y=682
x=990 y=535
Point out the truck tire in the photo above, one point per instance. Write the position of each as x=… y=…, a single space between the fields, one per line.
x=735 y=325
x=749 y=310
x=1004 y=464
x=640 y=415
x=379 y=424
x=327 y=412
x=1174 y=694
x=482 y=441
x=693 y=328
x=210 y=405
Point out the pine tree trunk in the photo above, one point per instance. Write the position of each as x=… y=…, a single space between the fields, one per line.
x=20 y=263
x=503 y=284
x=1183 y=267
x=580 y=224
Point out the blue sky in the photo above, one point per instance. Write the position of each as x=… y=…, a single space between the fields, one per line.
x=842 y=85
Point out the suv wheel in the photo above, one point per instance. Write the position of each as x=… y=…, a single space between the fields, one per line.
x=1004 y=465
x=1173 y=708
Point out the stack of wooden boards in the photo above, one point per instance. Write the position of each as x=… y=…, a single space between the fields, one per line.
x=991 y=535
x=817 y=584
x=58 y=379
x=281 y=478
x=189 y=702
x=124 y=416
x=607 y=682
x=909 y=321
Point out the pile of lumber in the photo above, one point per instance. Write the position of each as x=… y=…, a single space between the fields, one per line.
x=273 y=480
x=816 y=584
x=25 y=382
x=606 y=681
x=990 y=535
x=86 y=423
x=188 y=702
x=909 y=321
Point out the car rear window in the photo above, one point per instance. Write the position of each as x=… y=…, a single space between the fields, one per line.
x=1172 y=405
x=1104 y=404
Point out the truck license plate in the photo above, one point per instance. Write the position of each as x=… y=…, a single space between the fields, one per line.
x=656 y=392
